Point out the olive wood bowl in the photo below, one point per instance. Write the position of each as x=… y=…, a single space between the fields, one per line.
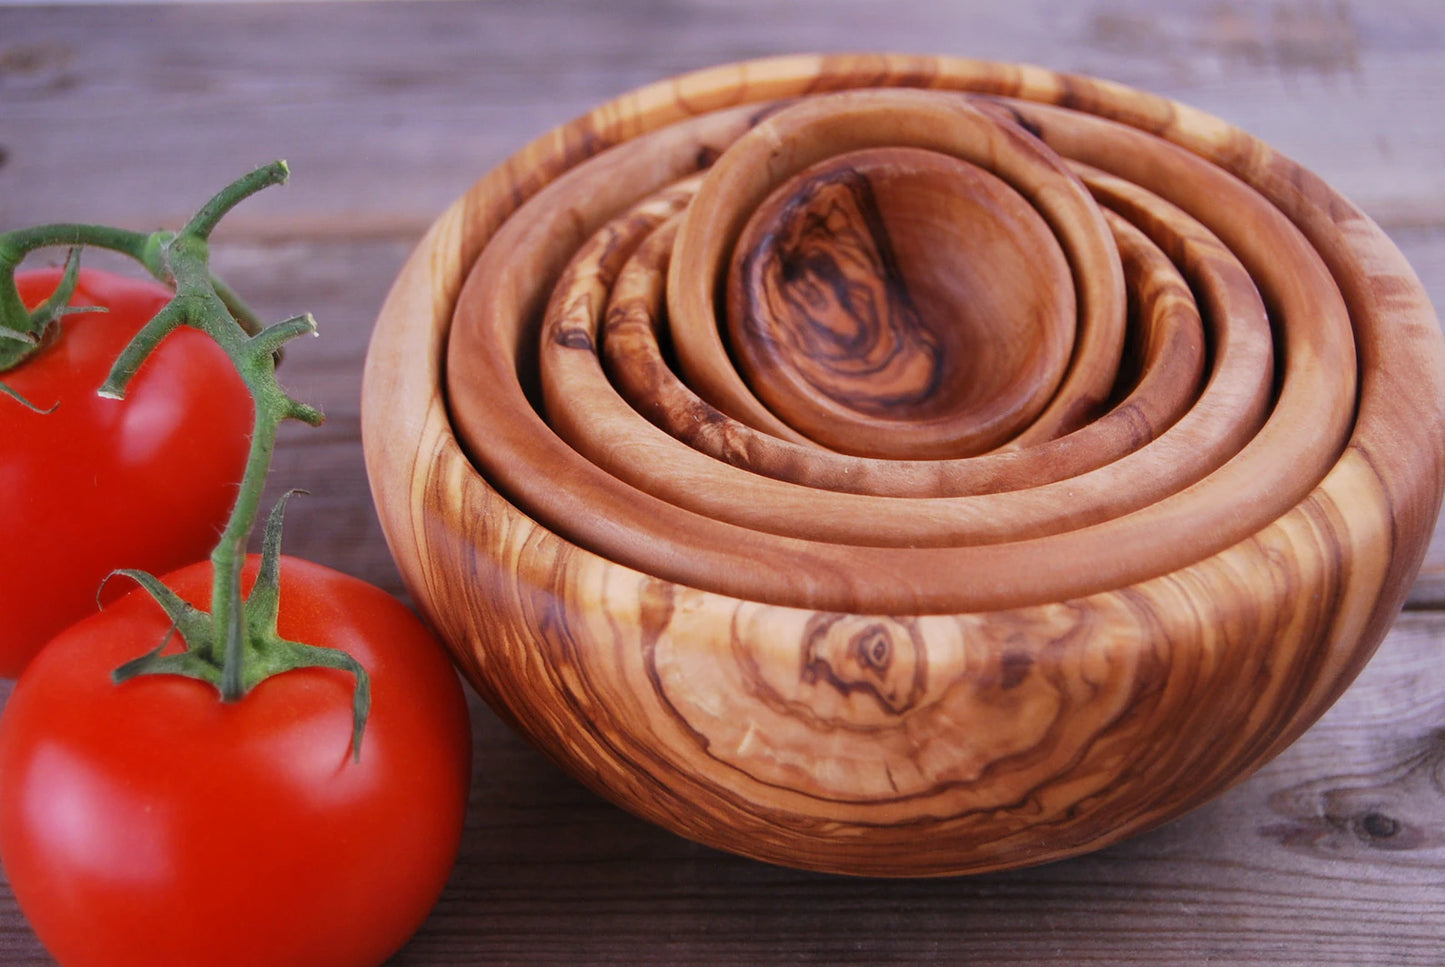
x=904 y=466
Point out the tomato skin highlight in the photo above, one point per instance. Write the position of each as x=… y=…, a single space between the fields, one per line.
x=146 y=482
x=152 y=824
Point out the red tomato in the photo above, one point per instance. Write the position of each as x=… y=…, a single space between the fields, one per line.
x=98 y=484
x=151 y=824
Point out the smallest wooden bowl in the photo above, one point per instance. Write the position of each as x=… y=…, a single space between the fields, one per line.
x=901 y=303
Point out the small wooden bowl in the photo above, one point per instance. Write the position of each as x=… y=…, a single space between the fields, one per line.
x=900 y=303
x=1080 y=582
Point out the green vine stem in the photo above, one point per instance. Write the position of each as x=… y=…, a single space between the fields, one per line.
x=235 y=646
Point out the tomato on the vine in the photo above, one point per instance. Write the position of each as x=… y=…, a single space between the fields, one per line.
x=98 y=484
x=149 y=823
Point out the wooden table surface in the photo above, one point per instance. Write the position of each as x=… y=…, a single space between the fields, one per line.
x=1332 y=854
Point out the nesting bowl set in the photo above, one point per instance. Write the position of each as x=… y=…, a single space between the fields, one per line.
x=901 y=465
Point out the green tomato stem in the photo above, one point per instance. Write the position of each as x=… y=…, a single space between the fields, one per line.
x=204 y=221
x=239 y=310
x=15 y=245
x=236 y=645
x=229 y=555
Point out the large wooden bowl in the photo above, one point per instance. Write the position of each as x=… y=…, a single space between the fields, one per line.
x=905 y=465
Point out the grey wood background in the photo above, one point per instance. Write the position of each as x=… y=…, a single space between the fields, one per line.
x=1332 y=854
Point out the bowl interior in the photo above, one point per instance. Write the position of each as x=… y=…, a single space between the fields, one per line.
x=898 y=302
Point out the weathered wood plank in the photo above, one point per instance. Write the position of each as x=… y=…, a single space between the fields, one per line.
x=388 y=111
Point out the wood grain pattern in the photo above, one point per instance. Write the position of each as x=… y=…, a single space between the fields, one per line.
x=1033 y=684
x=854 y=315
x=788 y=142
x=550 y=873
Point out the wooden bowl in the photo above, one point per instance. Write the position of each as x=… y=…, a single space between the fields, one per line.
x=828 y=554
x=902 y=304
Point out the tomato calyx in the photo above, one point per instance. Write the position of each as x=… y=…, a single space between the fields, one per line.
x=235 y=645
x=24 y=332
x=40 y=327
x=204 y=656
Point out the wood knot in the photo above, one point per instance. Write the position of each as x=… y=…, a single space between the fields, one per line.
x=574 y=338
x=1398 y=808
x=1377 y=826
x=867 y=660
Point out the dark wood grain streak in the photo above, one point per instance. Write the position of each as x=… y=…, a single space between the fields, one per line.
x=831 y=236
